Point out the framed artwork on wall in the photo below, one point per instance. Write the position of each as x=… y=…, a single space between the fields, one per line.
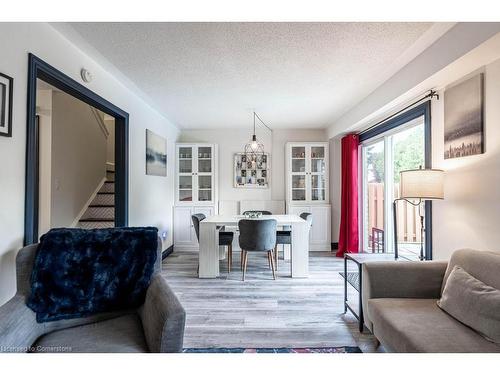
x=251 y=173
x=156 y=154
x=6 y=84
x=464 y=118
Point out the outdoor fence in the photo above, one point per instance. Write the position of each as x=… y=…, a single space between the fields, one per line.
x=407 y=215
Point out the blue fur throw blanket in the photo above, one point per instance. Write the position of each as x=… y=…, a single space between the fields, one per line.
x=80 y=272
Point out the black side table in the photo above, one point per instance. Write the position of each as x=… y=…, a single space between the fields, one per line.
x=355 y=279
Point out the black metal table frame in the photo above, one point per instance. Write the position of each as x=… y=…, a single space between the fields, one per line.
x=359 y=315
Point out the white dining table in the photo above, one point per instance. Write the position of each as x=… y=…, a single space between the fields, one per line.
x=209 y=242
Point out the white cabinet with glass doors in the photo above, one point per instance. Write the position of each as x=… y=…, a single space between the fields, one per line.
x=307 y=172
x=195 y=189
x=307 y=188
x=196 y=171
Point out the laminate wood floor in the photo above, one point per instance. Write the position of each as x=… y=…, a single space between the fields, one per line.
x=260 y=311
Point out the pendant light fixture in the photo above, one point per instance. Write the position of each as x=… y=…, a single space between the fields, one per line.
x=254 y=148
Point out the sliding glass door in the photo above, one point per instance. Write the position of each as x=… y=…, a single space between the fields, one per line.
x=384 y=156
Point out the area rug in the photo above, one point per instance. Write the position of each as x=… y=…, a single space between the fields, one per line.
x=337 y=349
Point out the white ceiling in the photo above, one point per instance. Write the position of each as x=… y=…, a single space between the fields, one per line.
x=295 y=75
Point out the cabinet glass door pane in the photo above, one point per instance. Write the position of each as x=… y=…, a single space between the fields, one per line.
x=299 y=188
x=318 y=179
x=204 y=188
x=205 y=159
x=318 y=187
x=185 y=160
x=317 y=159
x=185 y=188
x=298 y=159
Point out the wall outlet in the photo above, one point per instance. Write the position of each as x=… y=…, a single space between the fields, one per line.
x=164 y=235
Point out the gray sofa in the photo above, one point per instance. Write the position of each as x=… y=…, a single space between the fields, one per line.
x=399 y=301
x=157 y=326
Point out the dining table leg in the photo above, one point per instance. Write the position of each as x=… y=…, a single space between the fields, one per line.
x=209 y=251
x=300 y=250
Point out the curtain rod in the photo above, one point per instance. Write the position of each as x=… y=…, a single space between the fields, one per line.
x=430 y=95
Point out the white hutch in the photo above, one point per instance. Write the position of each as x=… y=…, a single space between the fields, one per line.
x=196 y=189
x=307 y=188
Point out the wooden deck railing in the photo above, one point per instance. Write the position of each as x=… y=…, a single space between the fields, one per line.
x=408 y=215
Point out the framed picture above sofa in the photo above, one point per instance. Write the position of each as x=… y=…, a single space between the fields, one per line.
x=6 y=84
x=464 y=118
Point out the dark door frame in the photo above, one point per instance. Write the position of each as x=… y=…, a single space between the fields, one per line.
x=424 y=110
x=39 y=69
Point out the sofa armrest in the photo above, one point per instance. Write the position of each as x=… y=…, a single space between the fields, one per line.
x=163 y=318
x=403 y=279
x=18 y=326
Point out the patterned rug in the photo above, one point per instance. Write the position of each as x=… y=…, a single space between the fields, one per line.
x=338 y=349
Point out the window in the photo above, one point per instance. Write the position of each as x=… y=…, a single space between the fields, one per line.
x=397 y=145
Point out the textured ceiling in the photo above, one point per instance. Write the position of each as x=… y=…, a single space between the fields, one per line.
x=295 y=75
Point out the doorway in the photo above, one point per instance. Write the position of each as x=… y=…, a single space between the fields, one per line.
x=114 y=177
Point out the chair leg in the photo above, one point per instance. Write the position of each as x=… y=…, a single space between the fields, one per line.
x=229 y=257
x=276 y=257
x=245 y=260
x=270 y=254
x=268 y=260
x=242 y=257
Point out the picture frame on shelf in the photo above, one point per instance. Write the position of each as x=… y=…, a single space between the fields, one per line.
x=251 y=173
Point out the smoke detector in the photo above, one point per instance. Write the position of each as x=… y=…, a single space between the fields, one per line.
x=86 y=75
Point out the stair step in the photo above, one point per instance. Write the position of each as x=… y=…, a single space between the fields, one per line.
x=103 y=199
x=96 y=225
x=107 y=188
x=103 y=213
x=105 y=192
x=109 y=182
x=92 y=220
x=101 y=205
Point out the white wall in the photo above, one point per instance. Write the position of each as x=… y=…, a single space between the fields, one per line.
x=231 y=141
x=151 y=197
x=78 y=158
x=469 y=216
x=44 y=111
x=335 y=184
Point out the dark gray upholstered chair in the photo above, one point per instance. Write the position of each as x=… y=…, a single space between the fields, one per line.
x=225 y=239
x=284 y=237
x=156 y=326
x=257 y=235
x=253 y=211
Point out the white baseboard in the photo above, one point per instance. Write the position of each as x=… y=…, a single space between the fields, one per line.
x=87 y=204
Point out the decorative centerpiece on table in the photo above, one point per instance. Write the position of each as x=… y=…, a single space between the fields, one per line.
x=253 y=215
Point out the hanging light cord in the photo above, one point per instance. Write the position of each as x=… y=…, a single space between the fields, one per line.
x=263 y=123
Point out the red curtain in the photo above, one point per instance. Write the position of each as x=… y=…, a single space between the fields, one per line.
x=349 y=236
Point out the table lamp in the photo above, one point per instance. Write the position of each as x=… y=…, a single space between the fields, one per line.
x=417 y=186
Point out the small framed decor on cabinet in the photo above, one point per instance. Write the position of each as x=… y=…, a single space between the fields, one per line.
x=251 y=171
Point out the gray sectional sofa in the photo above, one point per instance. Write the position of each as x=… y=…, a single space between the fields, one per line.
x=157 y=326
x=401 y=310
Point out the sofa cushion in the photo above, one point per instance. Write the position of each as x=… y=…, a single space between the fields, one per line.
x=483 y=265
x=80 y=272
x=119 y=335
x=473 y=303
x=410 y=325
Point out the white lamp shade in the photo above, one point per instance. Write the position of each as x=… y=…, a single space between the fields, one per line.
x=422 y=184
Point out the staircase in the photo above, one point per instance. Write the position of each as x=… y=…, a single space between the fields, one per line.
x=101 y=211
